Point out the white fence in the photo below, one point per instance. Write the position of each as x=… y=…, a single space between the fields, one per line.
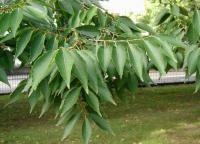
x=170 y=78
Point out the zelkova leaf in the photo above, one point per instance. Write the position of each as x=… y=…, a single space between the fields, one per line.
x=70 y=125
x=93 y=102
x=194 y=29
x=187 y=53
x=104 y=93
x=166 y=48
x=86 y=131
x=193 y=60
x=156 y=56
x=52 y=43
x=102 y=18
x=70 y=100
x=162 y=16
x=4 y=23
x=16 y=18
x=91 y=69
x=128 y=22
x=176 y=41
x=65 y=62
x=196 y=21
x=33 y=99
x=136 y=59
x=17 y=93
x=88 y=30
x=37 y=46
x=74 y=21
x=101 y=122
x=22 y=41
x=36 y=14
x=192 y=34
x=80 y=70
x=104 y=56
x=119 y=57
x=133 y=84
x=42 y=67
x=83 y=15
x=66 y=6
x=146 y=27
x=90 y=13
x=3 y=76
x=175 y=10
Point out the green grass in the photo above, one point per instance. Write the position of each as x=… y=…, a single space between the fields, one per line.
x=158 y=115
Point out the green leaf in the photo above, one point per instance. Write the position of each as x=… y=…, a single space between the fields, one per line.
x=104 y=93
x=66 y=6
x=183 y=11
x=45 y=107
x=65 y=62
x=33 y=99
x=52 y=43
x=80 y=70
x=70 y=100
x=196 y=21
x=7 y=37
x=63 y=119
x=17 y=93
x=15 y=20
x=173 y=40
x=192 y=34
x=7 y=60
x=119 y=58
x=83 y=15
x=125 y=29
x=22 y=41
x=137 y=60
x=166 y=48
x=133 y=83
x=194 y=28
x=91 y=69
x=74 y=21
x=156 y=56
x=128 y=22
x=93 y=102
x=187 y=53
x=86 y=131
x=37 y=46
x=4 y=23
x=145 y=27
x=35 y=13
x=3 y=76
x=70 y=125
x=42 y=67
x=193 y=60
x=101 y=122
x=175 y=10
x=104 y=56
x=162 y=16
x=92 y=11
x=88 y=30
x=102 y=18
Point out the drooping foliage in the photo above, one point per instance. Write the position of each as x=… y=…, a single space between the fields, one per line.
x=79 y=55
x=182 y=20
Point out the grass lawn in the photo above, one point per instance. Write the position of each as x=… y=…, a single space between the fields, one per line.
x=158 y=115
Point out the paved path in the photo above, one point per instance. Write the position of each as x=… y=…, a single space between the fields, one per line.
x=171 y=77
